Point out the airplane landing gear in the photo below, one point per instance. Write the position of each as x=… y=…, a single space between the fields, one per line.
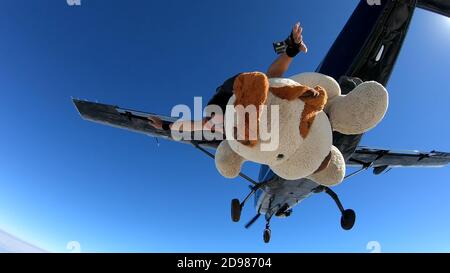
x=348 y=219
x=236 y=206
x=348 y=216
x=267 y=234
x=236 y=210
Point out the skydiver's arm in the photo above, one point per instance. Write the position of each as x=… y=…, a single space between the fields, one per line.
x=190 y=125
x=281 y=64
x=276 y=69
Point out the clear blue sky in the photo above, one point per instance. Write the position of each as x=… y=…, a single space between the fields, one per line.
x=64 y=179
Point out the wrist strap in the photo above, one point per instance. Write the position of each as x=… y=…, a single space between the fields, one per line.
x=287 y=46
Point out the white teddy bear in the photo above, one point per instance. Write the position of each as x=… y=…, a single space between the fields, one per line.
x=303 y=147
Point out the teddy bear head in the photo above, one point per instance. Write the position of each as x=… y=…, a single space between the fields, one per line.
x=269 y=120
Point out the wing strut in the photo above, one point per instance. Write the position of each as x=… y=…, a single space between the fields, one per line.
x=366 y=166
x=236 y=205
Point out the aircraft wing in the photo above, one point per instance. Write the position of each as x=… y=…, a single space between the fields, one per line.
x=381 y=159
x=137 y=121
x=131 y=120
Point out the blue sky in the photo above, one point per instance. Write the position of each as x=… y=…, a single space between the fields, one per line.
x=63 y=179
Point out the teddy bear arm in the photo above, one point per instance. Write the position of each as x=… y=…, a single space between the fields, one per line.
x=334 y=171
x=359 y=111
x=315 y=98
x=228 y=162
x=313 y=79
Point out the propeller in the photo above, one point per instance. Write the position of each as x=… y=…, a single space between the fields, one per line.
x=252 y=221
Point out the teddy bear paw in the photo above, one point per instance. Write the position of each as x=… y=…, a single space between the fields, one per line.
x=313 y=79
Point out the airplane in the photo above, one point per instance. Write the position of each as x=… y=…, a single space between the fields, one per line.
x=367 y=48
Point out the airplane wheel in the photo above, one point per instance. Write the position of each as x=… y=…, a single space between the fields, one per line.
x=235 y=210
x=348 y=219
x=267 y=234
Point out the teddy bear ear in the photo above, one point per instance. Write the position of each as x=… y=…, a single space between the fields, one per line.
x=250 y=89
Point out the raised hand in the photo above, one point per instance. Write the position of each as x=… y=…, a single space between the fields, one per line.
x=298 y=37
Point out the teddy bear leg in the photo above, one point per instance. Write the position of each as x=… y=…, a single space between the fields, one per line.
x=228 y=163
x=313 y=79
x=360 y=110
x=334 y=173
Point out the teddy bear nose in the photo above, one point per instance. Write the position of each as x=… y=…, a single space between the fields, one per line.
x=280 y=156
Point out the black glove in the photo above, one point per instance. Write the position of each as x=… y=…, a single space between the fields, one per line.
x=288 y=46
x=292 y=49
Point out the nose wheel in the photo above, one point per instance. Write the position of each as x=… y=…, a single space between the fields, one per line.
x=236 y=209
x=236 y=205
x=267 y=233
